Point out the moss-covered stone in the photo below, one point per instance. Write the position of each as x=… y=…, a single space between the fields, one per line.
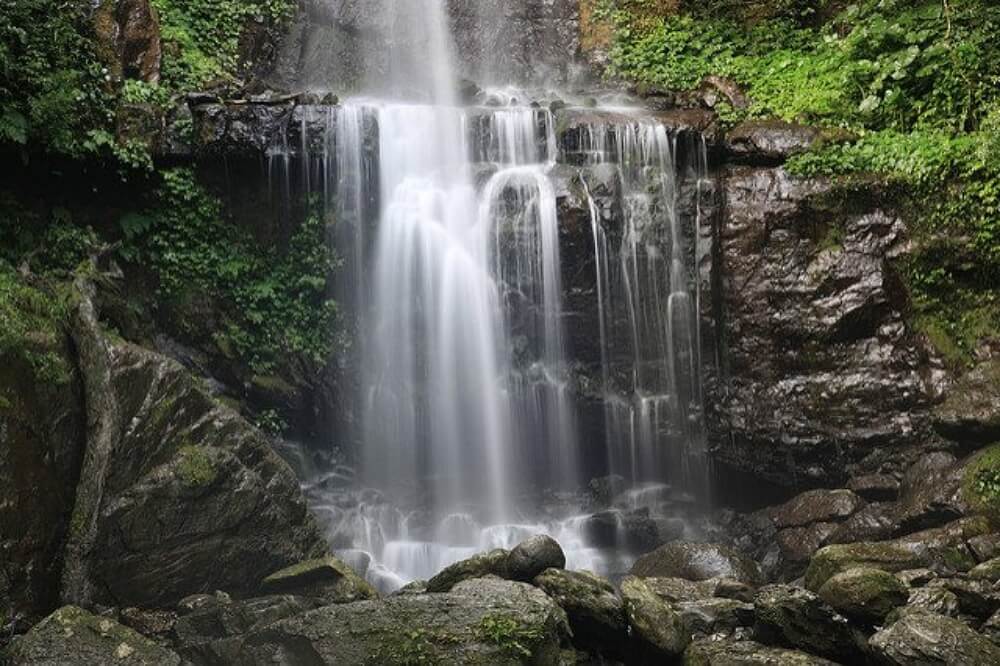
x=789 y=615
x=657 y=628
x=887 y=556
x=988 y=570
x=492 y=563
x=696 y=561
x=325 y=578
x=73 y=637
x=921 y=637
x=195 y=466
x=864 y=594
x=981 y=483
x=596 y=612
x=710 y=652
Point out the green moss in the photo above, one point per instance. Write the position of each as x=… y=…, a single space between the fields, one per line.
x=196 y=467
x=32 y=327
x=981 y=483
x=513 y=637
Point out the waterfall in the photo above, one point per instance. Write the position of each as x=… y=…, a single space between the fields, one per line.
x=447 y=219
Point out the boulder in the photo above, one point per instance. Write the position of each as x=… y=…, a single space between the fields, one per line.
x=596 y=613
x=728 y=652
x=195 y=630
x=875 y=522
x=533 y=556
x=73 y=637
x=970 y=414
x=479 y=622
x=769 y=140
x=887 y=556
x=708 y=617
x=976 y=598
x=931 y=493
x=991 y=628
x=657 y=629
x=696 y=561
x=634 y=530
x=921 y=637
x=326 y=579
x=492 y=563
x=792 y=616
x=798 y=544
x=863 y=594
x=195 y=498
x=988 y=570
x=875 y=487
x=934 y=600
x=817 y=506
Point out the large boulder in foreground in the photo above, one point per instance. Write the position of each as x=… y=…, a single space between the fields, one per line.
x=596 y=612
x=696 y=562
x=485 y=621
x=708 y=652
x=195 y=498
x=73 y=637
x=792 y=616
x=657 y=629
x=920 y=637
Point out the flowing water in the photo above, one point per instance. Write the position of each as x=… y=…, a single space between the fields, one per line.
x=468 y=405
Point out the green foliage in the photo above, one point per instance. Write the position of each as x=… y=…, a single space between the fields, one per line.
x=917 y=82
x=510 y=634
x=203 y=36
x=274 y=303
x=32 y=327
x=195 y=467
x=981 y=483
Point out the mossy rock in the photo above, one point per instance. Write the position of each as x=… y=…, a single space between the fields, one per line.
x=729 y=652
x=864 y=594
x=920 y=637
x=981 y=483
x=885 y=555
x=492 y=563
x=326 y=578
x=790 y=615
x=596 y=612
x=656 y=627
x=73 y=637
x=988 y=570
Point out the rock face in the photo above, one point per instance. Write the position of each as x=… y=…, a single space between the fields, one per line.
x=41 y=449
x=195 y=498
x=696 y=561
x=822 y=372
x=971 y=412
x=927 y=638
x=71 y=636
x=769 y=140
x=128 y=34
x=484 y=621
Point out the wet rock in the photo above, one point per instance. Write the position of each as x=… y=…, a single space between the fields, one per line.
x=927 y=638
x=970 y=414
x=603 y=490
x=887 y=556
x=194 y=631
x=991 y=628
x=795 y=617
x=492 y=563
x=596 y=613
x=798 y=544
x=531 y=557
x=875 y=487
x=931 y=493
x=128 y=38
x=656 y=627
x=769 y=140
x=824 y=378
x=633 y=530
x=875 y=522
x=916 y=577
x=485 y=621
x=712 y=652
x=197 y=602
x=976 y=598
x=326 y=579
x=985 y=546
x=708 y=617
x=71 y=636
x=696 y=561
x=679 y=589
x=865 y=595
x=817 y=506
x=988 y=571
x=195 y=497
x=934 y=600
x=156 y=624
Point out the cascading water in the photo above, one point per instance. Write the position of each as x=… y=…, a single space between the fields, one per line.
x=467 y=412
